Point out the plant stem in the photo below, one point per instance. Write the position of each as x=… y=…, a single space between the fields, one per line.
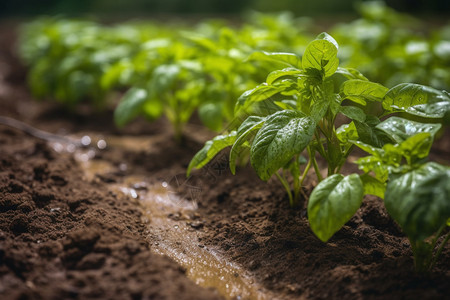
x=314 y=163
x=438 y=252
x=305 y=172
x=321 y=148
x=286 y=187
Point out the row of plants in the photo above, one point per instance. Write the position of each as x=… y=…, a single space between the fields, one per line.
x=295 y=112
x=309 y=107
x=176 y=70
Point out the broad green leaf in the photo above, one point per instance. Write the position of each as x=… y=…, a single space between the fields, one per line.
x=360 y=91
x=282 y=58
x=374 y=164
x=275 y=75
x=368 y=132
x=319 y=109
x=432 y=110
x=373 y=186
x=418 y=100
x=333 y=203
x=417 y=146
x=116 y=74
x=353 y=113
x=210 y=150
x=286 y=104
x=284 y=134
x=347 y=132
x=247 y=130
x=130 y=106
x=351 y=73
x=152 y=109
x=259 y=93
x=419 y=200
x=400 y=129
x=211 y=115
x=369 y=148
x=163 y=77
x=321 y=55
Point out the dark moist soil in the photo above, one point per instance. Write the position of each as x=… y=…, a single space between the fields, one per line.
x=64 y=236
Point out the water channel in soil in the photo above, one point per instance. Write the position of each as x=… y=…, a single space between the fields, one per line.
x=174 y=225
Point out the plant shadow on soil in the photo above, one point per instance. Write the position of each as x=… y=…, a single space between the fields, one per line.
x=65 y=236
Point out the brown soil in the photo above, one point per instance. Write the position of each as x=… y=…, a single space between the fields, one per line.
x=64 y=235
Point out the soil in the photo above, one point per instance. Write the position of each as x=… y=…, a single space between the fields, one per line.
x=66 y=235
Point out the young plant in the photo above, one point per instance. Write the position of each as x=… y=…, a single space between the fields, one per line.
x=416 y=192
x=296 y=110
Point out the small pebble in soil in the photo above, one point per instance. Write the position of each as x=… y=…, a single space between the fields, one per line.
x=58 y=147
x=55 y=210
x=133 y=194
x=196 y=224
x=123 y=167
x=101 y=144
x=86 y=140
x=140 y=186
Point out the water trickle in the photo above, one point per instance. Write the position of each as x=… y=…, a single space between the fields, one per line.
x=175 y=229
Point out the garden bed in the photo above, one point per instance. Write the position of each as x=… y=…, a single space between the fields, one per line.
x=75 y=222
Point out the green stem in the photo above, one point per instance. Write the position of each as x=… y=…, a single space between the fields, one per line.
x=441 y=247
x=305 y=172
x=419 y=261
x=321 y=148
x=314 y=163
x=287 y=188
x=297 y=185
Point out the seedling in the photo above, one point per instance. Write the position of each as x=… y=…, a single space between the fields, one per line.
x=295 y=111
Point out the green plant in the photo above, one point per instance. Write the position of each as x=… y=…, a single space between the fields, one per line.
x=296 y=110
x=417 y=192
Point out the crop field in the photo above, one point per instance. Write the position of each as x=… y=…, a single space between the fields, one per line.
x=271 y=157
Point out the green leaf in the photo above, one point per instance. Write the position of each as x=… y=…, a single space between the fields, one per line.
x=284 y=134
x=360 y=91
x=401 y=129
x=368 y=132
x=210 y=150
x=353 y=113
x=163 y=77
x=376 y=165
x=347 y=132
x=130 y=106
x=319 y=109
x=373 y=186
x=417 y=100
x=259 y=93
x=244 y=133
x=282 y=58
x=275 y=75
x=417 y=146
x=211 y=115
x=432 y=110
x=419 y=200
x=351 y=73
x=369 y=148
x=321 y=55
x=333 y=203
